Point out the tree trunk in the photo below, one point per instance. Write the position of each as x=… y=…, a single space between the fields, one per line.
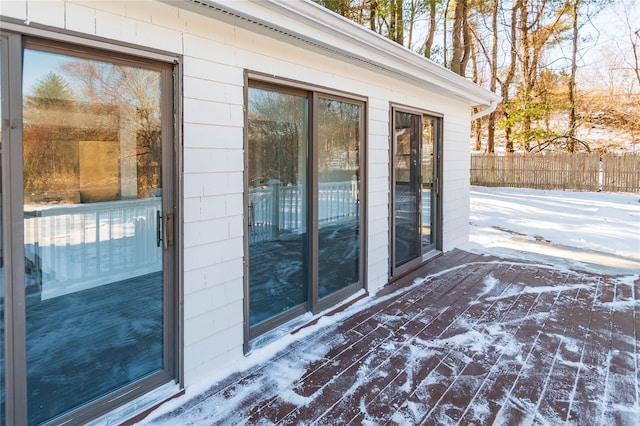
x=399 y=14
x=460 y=39
x=571 y=145
x=525 y=91
x=444 y=32
x=373 y=5
x=411 y=23
x=392 y=21
x=466 y=38
x=491 y=125
x=428 y=44
x=634 y=39
x=477 y=132
x=506 y=85
x=457 y=46
x=477 y=124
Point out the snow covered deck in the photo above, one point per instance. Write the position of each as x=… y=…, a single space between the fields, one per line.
x=466 y=339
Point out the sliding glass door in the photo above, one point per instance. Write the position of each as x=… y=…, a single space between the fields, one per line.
x=339 y=228
x=415 y=192
x=304 y=222
x=277 y=155
x=428 y=189
x=406 y=187
x=94 y=193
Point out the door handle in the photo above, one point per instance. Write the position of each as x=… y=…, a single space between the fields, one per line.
x=168 y=230
x=164 y=230
x=158 y=228
x=250 y=215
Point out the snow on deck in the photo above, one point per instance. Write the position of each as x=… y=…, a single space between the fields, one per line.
x=468 y=338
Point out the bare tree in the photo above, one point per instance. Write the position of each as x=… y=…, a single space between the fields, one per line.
x=510 y=40
x=428 y=44
x=575 y=6
x=505 y=85
x=493 y=62
x=634 y=42
x=460 y=38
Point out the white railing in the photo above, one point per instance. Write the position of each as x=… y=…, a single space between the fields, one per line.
x=276 y=209
x=78 y=246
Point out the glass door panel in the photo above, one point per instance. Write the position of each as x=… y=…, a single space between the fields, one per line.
x=339 y=128
x=428 y=179
x=277 y=216
x=406 y=190
x=92 y=205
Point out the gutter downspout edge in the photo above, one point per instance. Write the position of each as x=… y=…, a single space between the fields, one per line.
x=491 y=108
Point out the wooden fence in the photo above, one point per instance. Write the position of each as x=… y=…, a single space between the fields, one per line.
x=621 y=173
x=581 y=172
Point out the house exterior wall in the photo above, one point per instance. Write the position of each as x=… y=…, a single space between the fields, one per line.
x=215 y=57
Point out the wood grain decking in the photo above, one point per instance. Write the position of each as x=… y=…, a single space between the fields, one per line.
x=466 y=339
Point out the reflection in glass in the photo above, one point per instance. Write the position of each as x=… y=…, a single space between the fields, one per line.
x=92 y=190
x=339 y=125
x=428 y=138
x=406 y=187
x=277 y=169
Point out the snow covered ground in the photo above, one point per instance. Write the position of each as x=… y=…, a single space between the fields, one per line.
x=509 y=330
x=593 y=231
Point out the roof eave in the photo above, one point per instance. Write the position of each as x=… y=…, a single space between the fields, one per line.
x=342 y=38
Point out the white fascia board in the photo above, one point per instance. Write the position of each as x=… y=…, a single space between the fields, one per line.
x=385 y=51
x=306 y=24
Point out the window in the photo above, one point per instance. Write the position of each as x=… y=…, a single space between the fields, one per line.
x=304 y=186
x=415 y=176
x=94 y=189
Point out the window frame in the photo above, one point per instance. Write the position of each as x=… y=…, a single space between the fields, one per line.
x=17 y=38
x=314 y=304
x=435 y=248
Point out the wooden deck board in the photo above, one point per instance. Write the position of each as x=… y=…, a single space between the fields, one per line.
x=466 y=338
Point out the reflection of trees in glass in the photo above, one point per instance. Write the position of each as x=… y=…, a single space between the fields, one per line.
x=274 y=152
x=89 y=101
x=275 y=129
x=49 y=134
x=428 y=134
x=407 y=126
x=136 y=93
x=339 y=137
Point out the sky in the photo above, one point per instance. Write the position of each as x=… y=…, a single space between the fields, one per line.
x=606 y=40
x=603 y=38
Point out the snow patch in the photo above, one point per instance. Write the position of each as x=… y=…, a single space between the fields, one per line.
x=489 y=284
x=555 y=288
x=531 y=224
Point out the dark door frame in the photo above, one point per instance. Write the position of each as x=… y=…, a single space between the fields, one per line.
x=314 y=304
x=15 y=38
x=424 y=253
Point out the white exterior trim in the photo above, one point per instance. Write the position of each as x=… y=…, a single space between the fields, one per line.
x=313 y=26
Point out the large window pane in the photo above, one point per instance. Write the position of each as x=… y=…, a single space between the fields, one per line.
x=92 y=198
x=339 y=127
x=406 y=186
x=428 y=178
x=277 y=170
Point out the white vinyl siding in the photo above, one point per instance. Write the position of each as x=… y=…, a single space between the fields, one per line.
x=215 y=57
